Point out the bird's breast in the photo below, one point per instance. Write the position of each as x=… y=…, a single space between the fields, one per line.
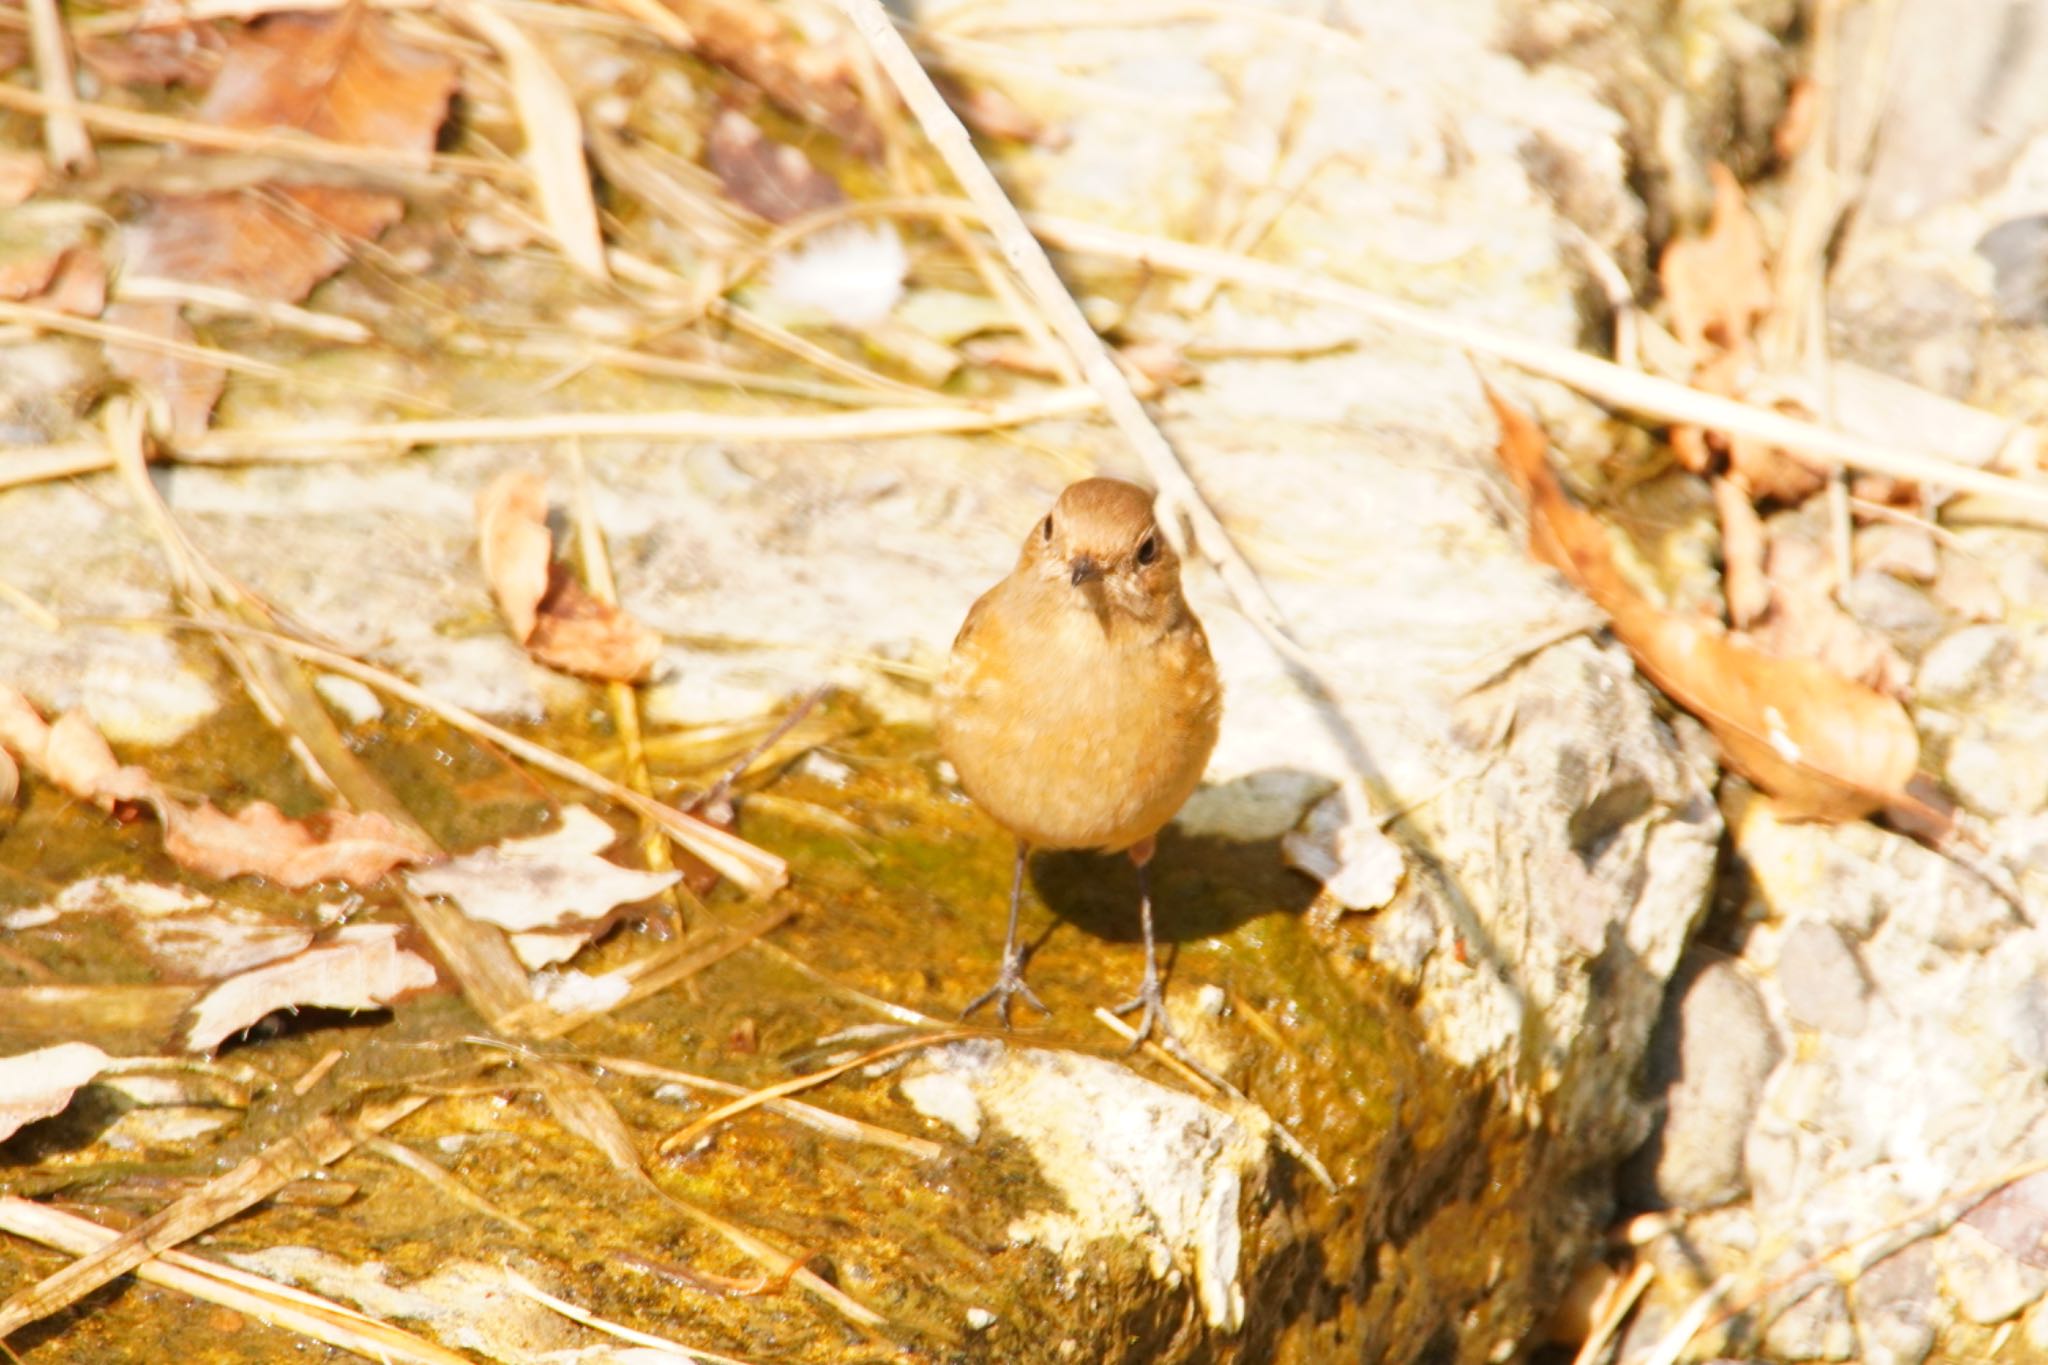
x=1074 y=735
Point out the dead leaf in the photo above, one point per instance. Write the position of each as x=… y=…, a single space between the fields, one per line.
x=767 y=177
x=513 y=541
x=361 y=968
x=1805 y=621
x=341 y=76
x=580 y=634
x=1821 y=746
x=21 y=175
x=808 y=76
x=549 y=612
x=10 y=779
x=550 y=892
x=1718 y=288
x=992 y=114
x=38 y=1084
x=177 y=54
x=260 y=841
x=1796 y=124
x=1743 y=584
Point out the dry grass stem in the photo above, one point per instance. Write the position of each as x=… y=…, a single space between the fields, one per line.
x=810 y=1115
x=28 y=607
x=280 y=1305
x=683 y=1137
x=554 y=136
x=1209 y=1083
x=754 y=870
x=439 y=1176
x=47 y=463
x=290 y=146
x=320 y=1142
x=1025 y=256
x=527 y=1289
x=51 y=320
x=1594 y=1348
x=673 y=425
x=782 y=339
x=656 y=973
x=621 y=697
x=287 y=317
x=64 y=135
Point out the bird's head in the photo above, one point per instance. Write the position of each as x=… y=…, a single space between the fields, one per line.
x=1101 y=549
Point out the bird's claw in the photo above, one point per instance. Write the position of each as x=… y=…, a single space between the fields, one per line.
x=1009 y=983
x=1152 y=1001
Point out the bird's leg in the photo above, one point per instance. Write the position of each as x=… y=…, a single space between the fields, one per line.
x=1150 y=998
x=1010 y=980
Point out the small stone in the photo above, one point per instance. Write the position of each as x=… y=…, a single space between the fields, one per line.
x=1964 y=664
x=824 y=768
x=1713 y=1051
x=1210 y=1000
x=1987 y=1284
x=356 y=702
x=1997 y=778
x=1815 y=1328
x=1902 y=551
x=1821 y=980
x=1897 y=610
x=980 y=1319
x=1892 y=1303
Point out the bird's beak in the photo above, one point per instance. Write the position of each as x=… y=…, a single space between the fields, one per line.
x=1085 y=570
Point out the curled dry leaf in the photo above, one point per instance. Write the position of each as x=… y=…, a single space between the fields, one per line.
x=805 y=75
x=513 y=541
x=341 y=76
x=1718 y=288
x=38 y=1084
x=1821 y=746
x=550 y=882
x=770 y=178
x=549 y=612
x=361 y=968
x=176 y=54
x=259 y=840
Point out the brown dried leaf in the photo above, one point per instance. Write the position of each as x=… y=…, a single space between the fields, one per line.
x=80 y=285
x=259 y=840
x=35 y=1085
x=76 y=757
x=810 y=78
x=579 y=634
x=22 y=728
x=1718 y=285
x=1822 y=746
x=549 y=612
x=189 y=387
x=21 y=175
x=770 y=178
x=10 y=779
x=992 y=114
x=1805 y=621
x=1743 y=582
x=362 y=968
x=340 y=76
x=179 y=54
x=513 y=541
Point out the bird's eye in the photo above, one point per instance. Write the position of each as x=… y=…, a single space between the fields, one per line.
x=1045 y=528
x=1148 y=549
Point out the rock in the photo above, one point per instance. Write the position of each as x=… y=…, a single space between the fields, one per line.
x=1894 y=1306
x=1817 y=1327
x=1997 y=774
x=1987 y=1283
x=1965 y=663
x=1885 y=603
x=1821 y=981
x=1712 y=1053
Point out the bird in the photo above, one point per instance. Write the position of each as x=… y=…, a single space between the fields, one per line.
x=1080 y=704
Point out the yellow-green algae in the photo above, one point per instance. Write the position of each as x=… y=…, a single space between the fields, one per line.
x=1447 y=1238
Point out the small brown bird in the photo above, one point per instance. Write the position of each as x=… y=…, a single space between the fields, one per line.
x=1080 y=703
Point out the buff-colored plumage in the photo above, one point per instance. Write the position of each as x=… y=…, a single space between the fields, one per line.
x=1080 y=703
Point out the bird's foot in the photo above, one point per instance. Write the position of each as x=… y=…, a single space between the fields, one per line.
x=1152 y=1001
x=1009 y=983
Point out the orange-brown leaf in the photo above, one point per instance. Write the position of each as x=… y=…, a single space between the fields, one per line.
x=1718 y=285
x=76 y=758
x=259 y=840
x=1822 y=746
x=579 y=634
x=513 y=541
x=340 y=76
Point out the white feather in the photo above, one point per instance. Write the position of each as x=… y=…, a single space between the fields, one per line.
x=851 y=274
